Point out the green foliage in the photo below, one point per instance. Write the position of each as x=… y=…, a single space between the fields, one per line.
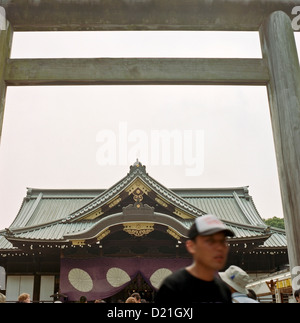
x=275 y=222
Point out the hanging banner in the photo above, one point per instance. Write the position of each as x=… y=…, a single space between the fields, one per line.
x=103 y=277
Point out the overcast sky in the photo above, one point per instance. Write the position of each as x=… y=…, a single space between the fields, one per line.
x=87 y=136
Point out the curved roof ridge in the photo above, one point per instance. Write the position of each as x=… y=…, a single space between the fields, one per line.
x=252 y=218
x=136 y=171
x=175 y=197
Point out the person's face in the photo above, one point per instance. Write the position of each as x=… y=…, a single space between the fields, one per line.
x=297 y=299
x=210 y=251
x=27 y=300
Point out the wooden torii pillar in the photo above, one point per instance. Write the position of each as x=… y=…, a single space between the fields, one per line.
x=280 y=53
x=278 y=69
x=6 y=34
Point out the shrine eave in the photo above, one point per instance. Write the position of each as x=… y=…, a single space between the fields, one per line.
x=17 y=241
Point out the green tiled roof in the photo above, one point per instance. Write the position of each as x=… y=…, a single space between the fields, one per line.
x=49 y=214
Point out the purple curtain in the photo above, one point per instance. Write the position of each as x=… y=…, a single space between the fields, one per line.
x=103 y=277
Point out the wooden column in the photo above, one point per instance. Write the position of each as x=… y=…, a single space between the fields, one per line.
x=279 y=49
x=5 y=47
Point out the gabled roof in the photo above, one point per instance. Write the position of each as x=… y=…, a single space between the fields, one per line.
x=137 y=183
x=40 y=206
x=58 y=215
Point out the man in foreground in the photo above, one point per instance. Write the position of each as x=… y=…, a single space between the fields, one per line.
x=198 y=283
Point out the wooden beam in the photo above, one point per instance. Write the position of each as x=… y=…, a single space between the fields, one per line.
x=53 y=15
x=5 y=48
x=131 y=71
x=279 y=49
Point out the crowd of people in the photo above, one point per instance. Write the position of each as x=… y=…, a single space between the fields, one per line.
x=238 y=296
x=198 y=282
x=23 y=298
x=133 y=298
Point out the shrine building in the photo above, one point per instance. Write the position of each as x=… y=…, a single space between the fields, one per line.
x=108 y=243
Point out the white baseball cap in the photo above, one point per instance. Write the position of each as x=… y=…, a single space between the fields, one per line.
x=208 y=224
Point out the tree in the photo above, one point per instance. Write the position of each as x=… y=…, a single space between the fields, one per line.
x=275 y=222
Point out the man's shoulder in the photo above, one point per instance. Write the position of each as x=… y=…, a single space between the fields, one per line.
x=173 y=287
x=177 y=275
x=178 y=280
